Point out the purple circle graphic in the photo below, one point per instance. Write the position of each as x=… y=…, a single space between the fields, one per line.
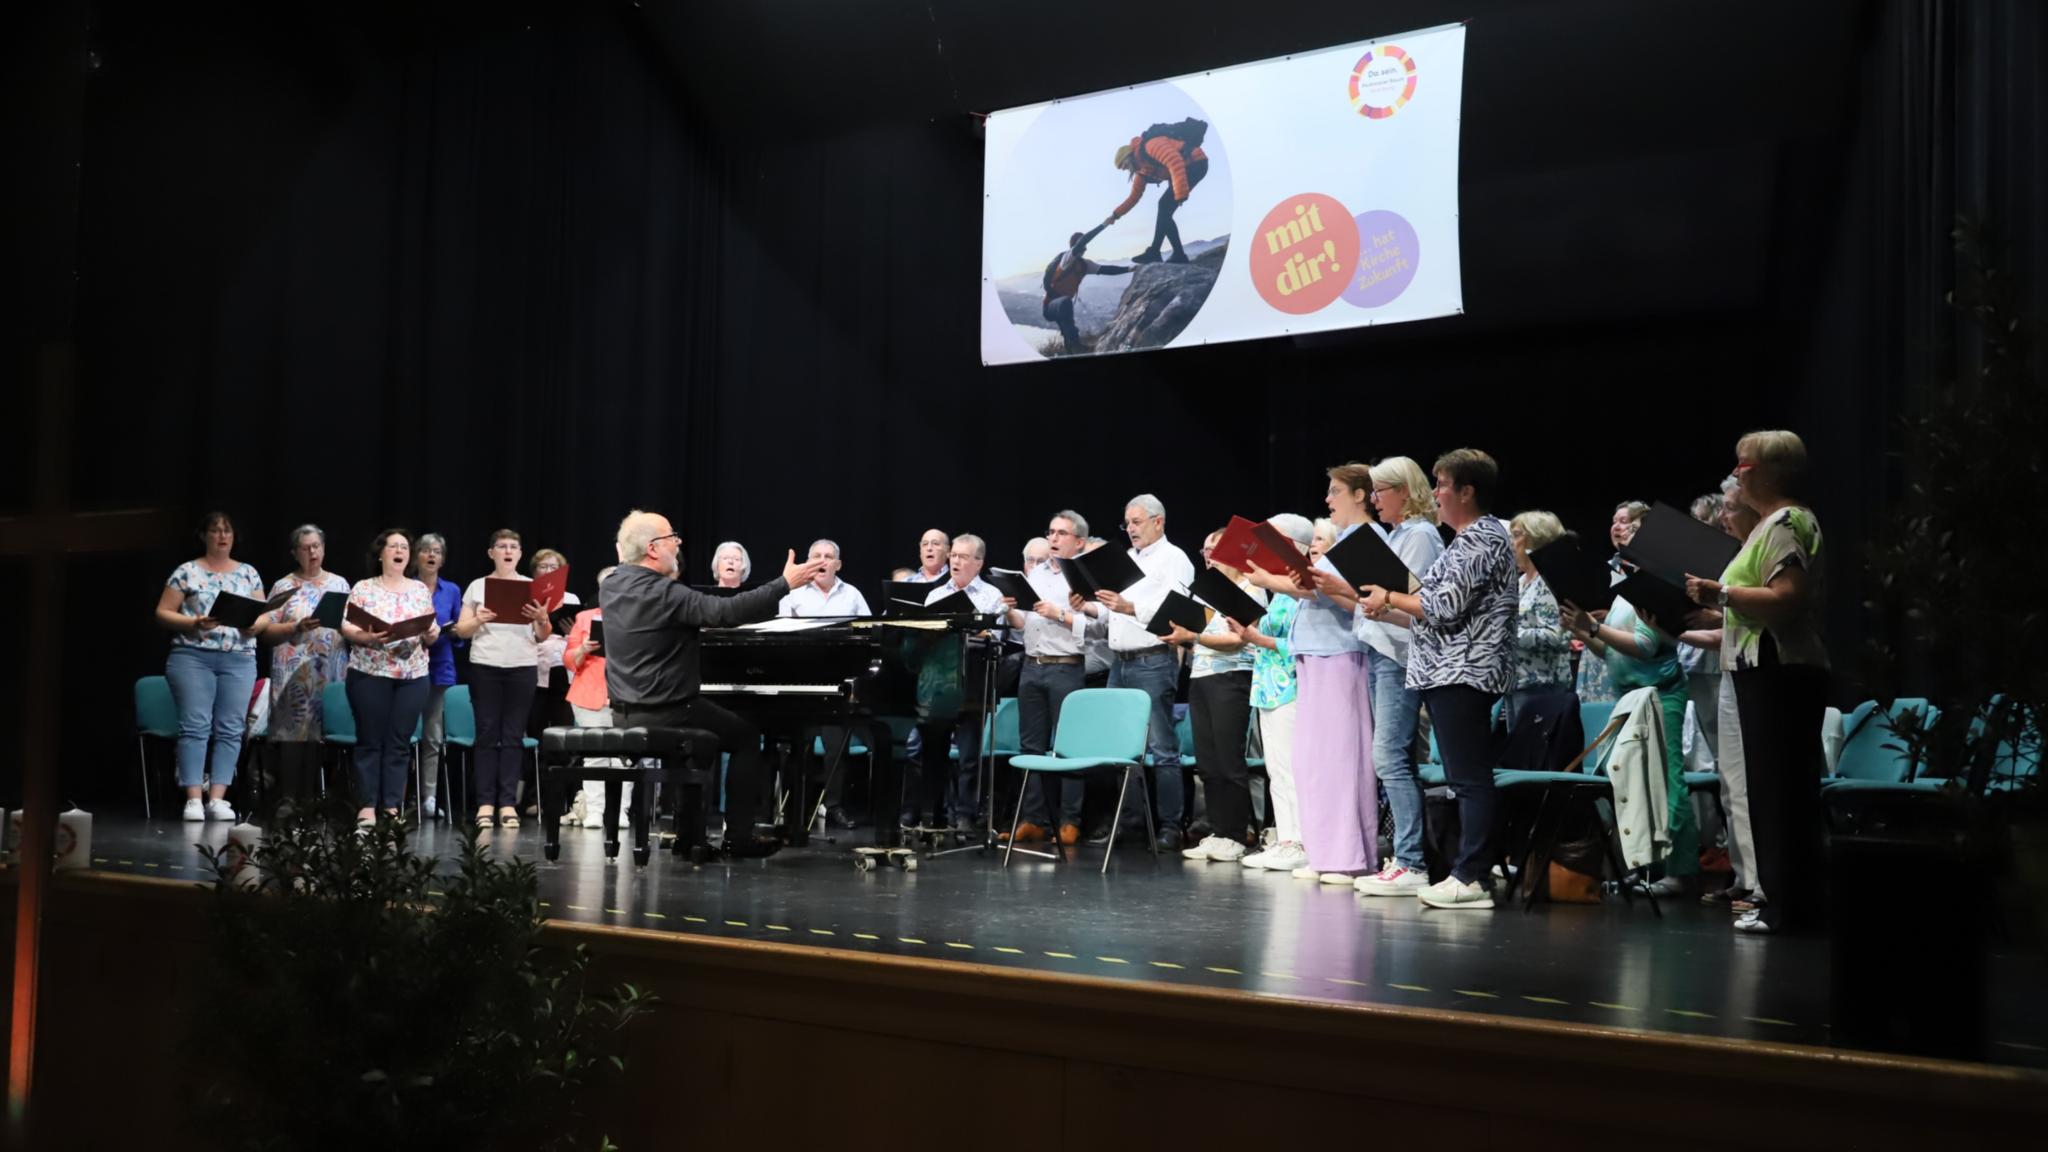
x=1388 y=253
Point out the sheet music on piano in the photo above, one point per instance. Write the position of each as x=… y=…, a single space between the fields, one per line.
x=790 y=624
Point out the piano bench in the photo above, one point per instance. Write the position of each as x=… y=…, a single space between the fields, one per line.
x=685 y=757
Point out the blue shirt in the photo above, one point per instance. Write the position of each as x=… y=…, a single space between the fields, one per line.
x=447 y=610
x=1321 y=627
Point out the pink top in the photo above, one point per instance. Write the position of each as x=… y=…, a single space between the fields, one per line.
x=400 y=660
x=586 y=689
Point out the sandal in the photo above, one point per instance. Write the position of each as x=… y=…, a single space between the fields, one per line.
x=508 y=817
x=485 y=818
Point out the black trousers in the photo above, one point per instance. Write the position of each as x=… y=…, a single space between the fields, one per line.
x=1220 y=712
x=1463 y=720
x=1164 y=230
x=503 y=698
x=386 y=712
x=1060 y=310
x=1041 y=689
x=738 y=737
x=1781 y=707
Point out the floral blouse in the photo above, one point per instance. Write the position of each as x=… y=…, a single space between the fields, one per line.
x=1273 y=668
x=200 y=587
x=1543 y=649
x=306 y=662
x=402 y=659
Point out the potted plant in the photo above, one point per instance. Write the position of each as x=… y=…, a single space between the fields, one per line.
x=379 y=1004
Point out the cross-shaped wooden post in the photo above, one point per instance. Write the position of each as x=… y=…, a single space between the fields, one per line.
x=48 y=534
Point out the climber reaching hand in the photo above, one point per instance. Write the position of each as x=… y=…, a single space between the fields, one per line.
x=1170 y=154
x=1063 y=283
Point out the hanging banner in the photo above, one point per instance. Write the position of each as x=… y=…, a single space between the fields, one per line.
x=1303 y=194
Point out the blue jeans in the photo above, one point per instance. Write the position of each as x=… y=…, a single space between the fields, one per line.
x=1155 y=672
x=386 y=712
x=1395 y=708
x=211 y=689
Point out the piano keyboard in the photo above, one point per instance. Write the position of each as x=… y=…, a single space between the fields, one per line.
x=773 y=689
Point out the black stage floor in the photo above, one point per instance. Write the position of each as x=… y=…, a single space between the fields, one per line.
x=1217 y=926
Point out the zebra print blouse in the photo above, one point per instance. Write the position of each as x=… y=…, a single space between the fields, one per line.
x=1469 y=600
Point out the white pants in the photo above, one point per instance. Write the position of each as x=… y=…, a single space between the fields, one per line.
x=1276 y=735
x=593 y=790
x=1734 y=786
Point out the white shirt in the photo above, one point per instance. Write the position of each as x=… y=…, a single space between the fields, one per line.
x=501 y=643
x=1044 y=637
x=1166 y=569
x=986 y=597
x=843 y=600
x=919 y=577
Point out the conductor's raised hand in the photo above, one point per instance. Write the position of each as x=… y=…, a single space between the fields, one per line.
x=797 y=575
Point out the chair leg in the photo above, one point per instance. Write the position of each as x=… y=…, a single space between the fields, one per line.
x=1116 y=821
x=419 y=804
x=1145 y=796
x=142 y=757
x=1016 y=815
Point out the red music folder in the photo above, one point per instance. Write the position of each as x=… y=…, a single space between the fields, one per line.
x=402 y=630
x=1246 y=543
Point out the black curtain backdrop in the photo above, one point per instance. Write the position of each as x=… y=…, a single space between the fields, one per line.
x=456 y=269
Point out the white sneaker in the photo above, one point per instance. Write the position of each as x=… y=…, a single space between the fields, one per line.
x=428 y=809
x=1285 y=856
x=194 y=810
x=1448 y=893
x=1224 y=850
x=1335 y=878
x=1751 y=922
x=1392 y=880
x=1254 y=859
x=575 y=817
x=593 y=817
x=219 y=810
x=1307 y=872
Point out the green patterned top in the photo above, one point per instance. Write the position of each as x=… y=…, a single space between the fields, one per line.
x=1787 y=538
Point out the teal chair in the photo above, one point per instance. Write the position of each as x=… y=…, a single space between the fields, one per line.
x=458 y=732
x=1184 y=738
x=1557 y=793
x=1870 y=756
x=337 y=728
x=1098 y=728
x=156 y=718
x=1431 y=774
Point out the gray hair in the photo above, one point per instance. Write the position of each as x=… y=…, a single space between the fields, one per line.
x=430 y=540
x=980 y=547
x=1079 y=521
x=1039 y=545
x=1295 y=527
x=605 y=572
x=746 y=561
x=636 y=532
x=835 y=547
x=1149 y=503
x=305 y=530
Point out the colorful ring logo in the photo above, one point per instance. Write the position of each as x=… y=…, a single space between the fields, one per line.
x=1370 y=86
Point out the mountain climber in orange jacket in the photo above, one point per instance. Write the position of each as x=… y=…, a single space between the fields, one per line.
x=1170 y=154
x=1063 y=283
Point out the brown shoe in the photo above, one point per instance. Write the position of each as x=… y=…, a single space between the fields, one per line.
x=1027 y=833
x=1070 y=834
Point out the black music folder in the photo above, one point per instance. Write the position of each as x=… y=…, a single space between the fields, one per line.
x=1573 y=576
x=1215 y=589
x=1011 y=583
x=1658 y=601
x=1178 y=608
x=329 y=611
x=597 y=631
x=233 y=611
x=1673 y=545
x=903 y=598
x=1108 y=568
x=563 y=617
x=1364 y=557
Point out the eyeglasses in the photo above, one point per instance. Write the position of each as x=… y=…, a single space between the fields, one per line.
x=675 y=536
x=1058 y=532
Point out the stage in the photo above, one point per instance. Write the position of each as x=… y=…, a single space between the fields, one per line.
x=1217 y=928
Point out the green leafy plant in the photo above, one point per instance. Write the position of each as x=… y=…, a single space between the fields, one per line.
x=1956 y=574
x=365 y=999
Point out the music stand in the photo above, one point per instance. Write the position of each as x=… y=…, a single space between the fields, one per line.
x=992 y=659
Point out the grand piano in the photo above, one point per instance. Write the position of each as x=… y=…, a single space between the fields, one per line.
x=851 y=675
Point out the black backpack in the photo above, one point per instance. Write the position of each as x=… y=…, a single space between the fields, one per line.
x=1189 y=132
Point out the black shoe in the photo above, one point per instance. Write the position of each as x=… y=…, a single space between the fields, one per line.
x=1170 y=840
x=1149 y=256
x=837 y=817
x=753 y=848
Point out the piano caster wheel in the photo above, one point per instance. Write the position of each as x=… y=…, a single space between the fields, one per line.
x=553 y=851
x=640 y=856
x=863 y=864
x=910 y=863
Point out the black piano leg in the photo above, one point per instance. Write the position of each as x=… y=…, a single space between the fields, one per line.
x=796 y=813
x=550 y=811
x=611 y=817
x=643 y=797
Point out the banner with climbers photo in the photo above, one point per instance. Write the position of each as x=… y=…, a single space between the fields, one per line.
x=1305 y=193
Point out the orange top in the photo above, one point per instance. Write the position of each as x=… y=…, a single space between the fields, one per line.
x=1159 y=160
x=587 y=689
